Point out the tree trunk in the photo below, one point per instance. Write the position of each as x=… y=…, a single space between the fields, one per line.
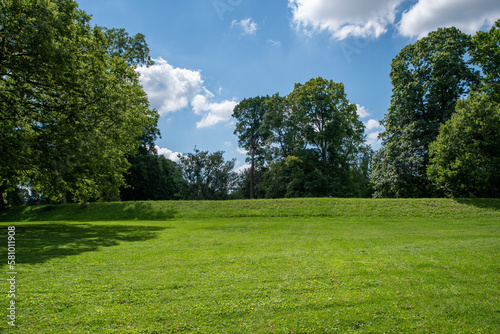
x=2 y=203
x=252 y=168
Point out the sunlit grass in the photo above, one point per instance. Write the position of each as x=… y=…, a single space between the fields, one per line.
x=296 y=266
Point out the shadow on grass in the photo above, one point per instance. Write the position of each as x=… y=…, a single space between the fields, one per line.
x=482 y=203
x=39 y=243
x=118 y=211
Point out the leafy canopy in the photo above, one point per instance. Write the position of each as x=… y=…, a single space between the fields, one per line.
x=465 y=158
x=486 y=54
x=428 y=79
x=71 y=108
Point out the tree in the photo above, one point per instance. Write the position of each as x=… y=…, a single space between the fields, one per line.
x=18 y=197
x=465 y=158
x=359 y=174
x=324 y=116
x=297 y=175
x=74 y=107
x=252 y=135
x=242 y=184
x=151 y=177
x=208 y=176
x=280 y=126
x=329 y=124
x=428 y=79
x=132 y=48
x=486 y=54
x=35 y=52
x=310 y=143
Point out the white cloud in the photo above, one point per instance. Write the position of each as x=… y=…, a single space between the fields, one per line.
x=362 y=111
x=372 y=18
x=241 y=151
x=274 y=43
x=171 y=89
x=372 y=125
x=467 y=15
x=372 y=139
x=212 y=112
x=248 y=25
x=169 y=154
x=231 y=124
x=358 y=18
x=242 y=169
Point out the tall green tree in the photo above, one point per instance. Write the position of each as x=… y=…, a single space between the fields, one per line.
x=428 y=79
x=328 y=124
x=151 y=177
x=465 y=158
x=208 y=175
x=359 y=174
x=312 y=139
x=298 y=175
x=325 y=118
x=251 y=132
x=74 y=108
x=37 y=52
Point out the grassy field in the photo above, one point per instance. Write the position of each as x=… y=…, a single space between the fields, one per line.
x=277 y=266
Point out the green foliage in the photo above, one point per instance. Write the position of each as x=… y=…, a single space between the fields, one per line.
x=208 y=176
x=313 y=141
x=296 y=176
x=36 y=52
x=428 y=79
x=359 y=184
x=333 y=136
x=326 y=120
x=242 y=185
x=17 y=197
x=251 y=131
x=280 y=122
x=151 y=177
x=73 y=107
x=465 y=158
x=486 y=54
x=132 y=48
x=250 y=114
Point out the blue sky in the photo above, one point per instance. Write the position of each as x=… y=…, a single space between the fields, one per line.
x=211 y=54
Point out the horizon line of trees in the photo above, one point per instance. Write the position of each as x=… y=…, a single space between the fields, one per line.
x=76 y=125
x=441 y=138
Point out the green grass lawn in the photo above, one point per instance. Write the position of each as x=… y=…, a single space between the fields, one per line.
x=277 y=266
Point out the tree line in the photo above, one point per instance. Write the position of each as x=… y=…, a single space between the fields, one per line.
x=442 y=131
x=76 y=125
x=441 y=138
x=307 y=144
